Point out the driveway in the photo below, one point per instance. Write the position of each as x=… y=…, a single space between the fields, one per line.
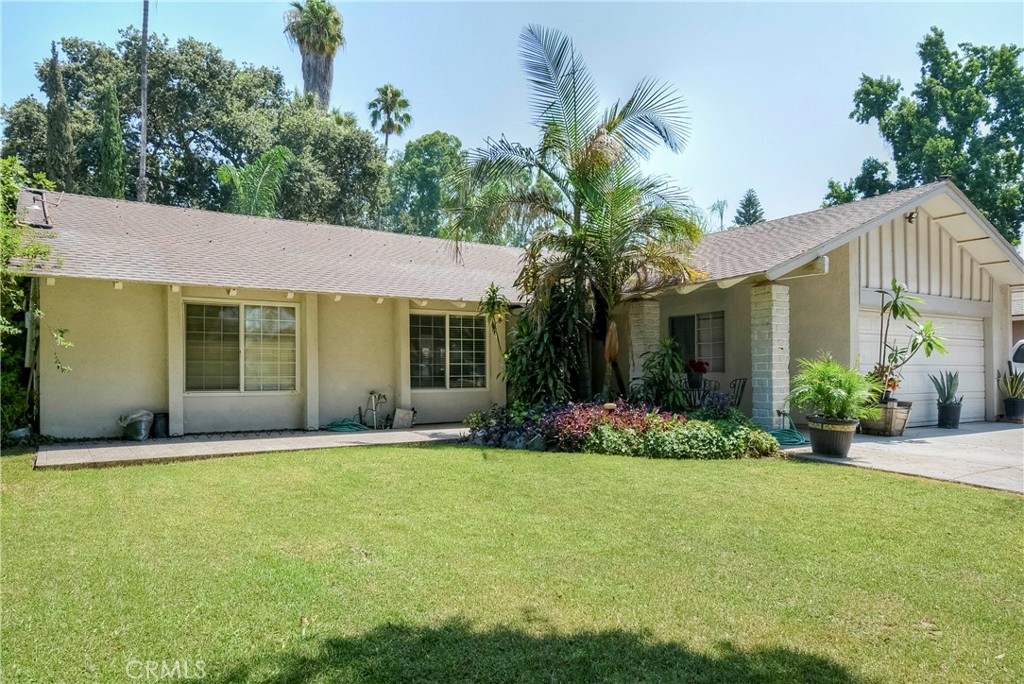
x=983 y=454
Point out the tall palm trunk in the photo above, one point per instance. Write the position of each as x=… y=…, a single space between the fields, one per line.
x=318 y=76
x=141 y=184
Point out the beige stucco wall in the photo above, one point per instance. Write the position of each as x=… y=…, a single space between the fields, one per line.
x=819 y=312
x=119 y=361
x=356 y=354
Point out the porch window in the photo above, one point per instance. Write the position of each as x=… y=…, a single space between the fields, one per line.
x=447 y=351
x=701 y=337
x=240 y=348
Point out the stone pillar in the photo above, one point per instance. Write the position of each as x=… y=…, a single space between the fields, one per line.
x=769 y=344
x=644 y=333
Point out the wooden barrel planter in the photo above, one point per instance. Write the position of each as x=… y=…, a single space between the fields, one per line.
x=893 y=421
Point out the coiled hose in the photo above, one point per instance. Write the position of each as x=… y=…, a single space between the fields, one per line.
x=789 y=436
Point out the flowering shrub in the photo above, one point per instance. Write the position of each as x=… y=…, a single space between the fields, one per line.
x=624 y=429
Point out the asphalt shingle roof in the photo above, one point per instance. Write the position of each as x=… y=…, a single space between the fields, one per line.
x=762 y=246
x=121 y=240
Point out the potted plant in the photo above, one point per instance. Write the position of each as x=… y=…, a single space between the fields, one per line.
x=695 y=371
x=898 y=305
x=946 y=385
x=838 y=398
x=1011 y=386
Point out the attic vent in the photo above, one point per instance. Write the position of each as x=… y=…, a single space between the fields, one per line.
x=38 y=214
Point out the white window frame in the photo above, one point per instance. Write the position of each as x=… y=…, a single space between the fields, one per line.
x=241 y=348
x=709 y=316
x=448 y=354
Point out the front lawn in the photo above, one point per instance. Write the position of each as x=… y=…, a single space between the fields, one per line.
x=463 y=564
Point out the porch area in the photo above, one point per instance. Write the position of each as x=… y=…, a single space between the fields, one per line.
x=98 y=454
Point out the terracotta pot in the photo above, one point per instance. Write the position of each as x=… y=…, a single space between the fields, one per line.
x=949 y=416
x=831 y=436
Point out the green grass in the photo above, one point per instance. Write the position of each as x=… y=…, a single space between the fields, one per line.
x=434 y=564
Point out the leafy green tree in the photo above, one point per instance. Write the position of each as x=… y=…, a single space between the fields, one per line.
x=418 y=183
x=255 y=189
x=964 y=118
x=339 y=174
x=316 y=28
x=25 y=133
x=389 y=113
x=589 y=155
x=749 y=210
x=872 y=180
x=60 y=148
x=203 y=110
x=112 y=155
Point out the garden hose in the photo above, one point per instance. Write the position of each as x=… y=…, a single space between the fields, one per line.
x=788 y=436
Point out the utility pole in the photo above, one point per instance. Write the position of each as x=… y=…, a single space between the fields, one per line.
x=141 y=185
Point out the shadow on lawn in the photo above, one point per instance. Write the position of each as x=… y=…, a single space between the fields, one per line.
x=455 y=652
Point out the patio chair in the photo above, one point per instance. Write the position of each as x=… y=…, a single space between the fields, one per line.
x=736 y=387
x=710 y=386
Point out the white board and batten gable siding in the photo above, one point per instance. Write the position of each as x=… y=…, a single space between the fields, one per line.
x=958 y=292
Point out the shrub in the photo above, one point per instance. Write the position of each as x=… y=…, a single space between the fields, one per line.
x=830 y=389
x=662 y=381
x=625 y=430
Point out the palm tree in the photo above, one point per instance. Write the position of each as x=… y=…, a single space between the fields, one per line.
x=613 y=226
x=142 y=183
x=389 y=113
x=316 y=28
x=256 y=187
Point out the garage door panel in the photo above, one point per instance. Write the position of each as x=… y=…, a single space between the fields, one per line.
x=965 y=344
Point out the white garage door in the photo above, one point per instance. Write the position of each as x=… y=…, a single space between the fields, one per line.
x=965 y=342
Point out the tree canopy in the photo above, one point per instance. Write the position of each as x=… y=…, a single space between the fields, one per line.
x=964 y=118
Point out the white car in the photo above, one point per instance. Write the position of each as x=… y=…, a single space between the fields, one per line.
x=1017 y=357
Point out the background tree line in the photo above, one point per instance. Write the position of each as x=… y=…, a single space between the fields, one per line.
x=206 y=112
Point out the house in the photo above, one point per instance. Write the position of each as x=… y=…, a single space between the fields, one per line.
x=787 y=289
x=231 y=322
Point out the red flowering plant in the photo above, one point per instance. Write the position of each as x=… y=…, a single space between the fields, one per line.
x=695 y=366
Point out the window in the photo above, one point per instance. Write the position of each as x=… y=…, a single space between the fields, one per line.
x=701 y=337
x=447 y=352
x=218 y=358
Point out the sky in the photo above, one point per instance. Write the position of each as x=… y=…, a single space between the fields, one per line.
x=768 y=86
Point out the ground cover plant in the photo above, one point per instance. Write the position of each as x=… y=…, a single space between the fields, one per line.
x=714 y=432
x=475 y=564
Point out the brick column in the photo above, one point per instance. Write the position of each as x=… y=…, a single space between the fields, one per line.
x=644 y=333
x=769 y=345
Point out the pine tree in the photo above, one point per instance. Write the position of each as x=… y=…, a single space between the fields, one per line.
x=750 y=210
x=60 y=148
x=112 y=153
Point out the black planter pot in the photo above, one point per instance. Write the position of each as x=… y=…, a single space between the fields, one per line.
x=1013 y=408
x=949 y=415
x=831 y=437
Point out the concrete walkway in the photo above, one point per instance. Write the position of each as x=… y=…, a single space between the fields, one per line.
x=116 y=453
x=982 y=454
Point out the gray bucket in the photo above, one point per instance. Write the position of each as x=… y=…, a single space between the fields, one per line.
x=136 y=426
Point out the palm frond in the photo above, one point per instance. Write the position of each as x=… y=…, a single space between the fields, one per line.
x=256 y=188
x=653 y=114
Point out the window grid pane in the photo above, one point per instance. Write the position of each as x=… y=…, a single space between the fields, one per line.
x=211 y=348
x=711 y=340
x=427 y=352
x=270 y=348
x=468 y=347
